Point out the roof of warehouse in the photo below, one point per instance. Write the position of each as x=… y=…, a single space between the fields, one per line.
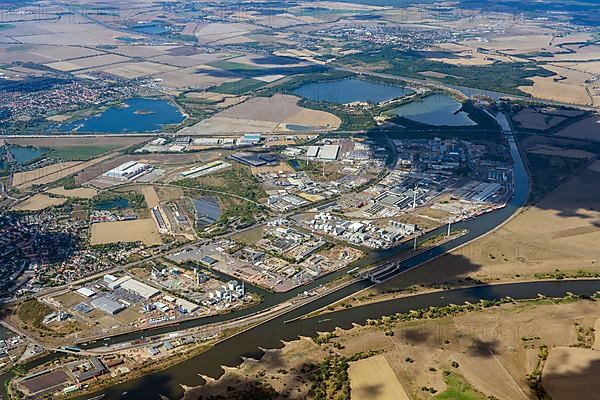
x=120 y=280
x=107 y=305
x=86 y=292
x=312 y=151
x=188 y=305
x=141 y=288
x=329 y=151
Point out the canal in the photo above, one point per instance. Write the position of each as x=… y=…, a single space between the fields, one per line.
x=231 y=351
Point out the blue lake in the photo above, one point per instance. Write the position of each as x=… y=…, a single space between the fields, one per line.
x=133 y=115
x=113 y=204
x=350 y=90
x=436 y=109
x=23 y=155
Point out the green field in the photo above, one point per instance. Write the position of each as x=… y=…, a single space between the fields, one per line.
x=81 y=153
x=33 y=312
x=458 y=389
x=239 y=87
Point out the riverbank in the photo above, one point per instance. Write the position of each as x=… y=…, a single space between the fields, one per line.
x=248 y=344
x=494 y=350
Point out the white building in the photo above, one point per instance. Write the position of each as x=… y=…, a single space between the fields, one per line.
x=127 y=171
x=85 y=292
x=139 y=288
x=329 y=152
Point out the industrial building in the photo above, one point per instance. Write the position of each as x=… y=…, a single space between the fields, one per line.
x=128 y=171
x=312 y=151
x=205 y=169
x=139 y=288
x=85 y=292
x=89 y=369
x=115 y=284
x=186 y=306
x=255 y=160
x=249 y=139
x=156 y=214
x=328 y=152
x=107 y=305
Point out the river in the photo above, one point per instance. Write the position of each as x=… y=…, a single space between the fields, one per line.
x=270 y=334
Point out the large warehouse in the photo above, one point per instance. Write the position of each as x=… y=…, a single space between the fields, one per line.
x=329 y=152
x=117 y=283
x=107 y=305
x=139 y=288
x=128 y=171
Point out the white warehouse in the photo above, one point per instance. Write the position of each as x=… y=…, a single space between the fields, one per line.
x=139 y=288
x=128 y=171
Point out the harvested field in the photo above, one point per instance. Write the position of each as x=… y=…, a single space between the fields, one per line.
x=136 y=70
x=518 y=44
x=48 y=176
x=150 y=196
x=591 y=67
x=140 y=230
x=188 y=61
x=142 y=51
x=372 y=378
x=22 y=179
x=569 y=86
x=39 y=202
x=214 y=32
x=81 y=193
x=62 y=53
x=87 y=62
x=265 y=115
x=64 y=142
x=588 y=129
x=571 y=373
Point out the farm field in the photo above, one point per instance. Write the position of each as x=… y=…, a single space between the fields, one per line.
x=39 y=202
x=558 y=151
x=23 y=180
x=266 y=115
x=530 y=119
x=567 y=86
x=67 y=143
x=81 y=193
x=571 y=373
x=588 y=128
x=374 y=378
x=140 y=230
x=150 y=196
x=45 y=175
